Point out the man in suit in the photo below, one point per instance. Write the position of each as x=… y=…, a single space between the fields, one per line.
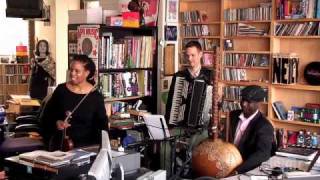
x=250 y=131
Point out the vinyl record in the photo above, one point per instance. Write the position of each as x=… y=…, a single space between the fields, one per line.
x=312 y=73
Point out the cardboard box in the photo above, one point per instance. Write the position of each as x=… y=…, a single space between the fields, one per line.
x=131 y=19
x=114 y=21
x=20 y=103
x=86 y=16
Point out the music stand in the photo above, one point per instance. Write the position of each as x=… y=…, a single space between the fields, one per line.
x=157 y=127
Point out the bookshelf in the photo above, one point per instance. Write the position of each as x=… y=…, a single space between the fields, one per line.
x=200 y=20
x=14 y=79
x=270 y=33
x=126 y=63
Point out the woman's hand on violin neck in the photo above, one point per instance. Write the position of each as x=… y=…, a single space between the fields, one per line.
x=62 y=125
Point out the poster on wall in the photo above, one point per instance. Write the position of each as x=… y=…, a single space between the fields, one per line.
x=88 y=40
x=172 y=11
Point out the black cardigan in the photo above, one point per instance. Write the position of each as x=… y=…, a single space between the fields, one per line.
x=256 y=143
x=86 y=122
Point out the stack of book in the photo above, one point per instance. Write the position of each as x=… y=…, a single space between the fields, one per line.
x=57 y=158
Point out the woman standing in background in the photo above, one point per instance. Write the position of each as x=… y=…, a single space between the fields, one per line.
x=43 y=71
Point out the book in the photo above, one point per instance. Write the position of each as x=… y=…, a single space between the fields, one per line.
x=297 y=153
x=52 y=159
x=280 y=110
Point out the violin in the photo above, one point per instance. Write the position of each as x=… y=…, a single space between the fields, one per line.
x=67 y=143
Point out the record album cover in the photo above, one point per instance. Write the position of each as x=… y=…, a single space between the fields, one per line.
x=88 y=40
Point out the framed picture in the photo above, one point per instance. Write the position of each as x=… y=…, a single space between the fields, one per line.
x=172 y=11
x=171 y=33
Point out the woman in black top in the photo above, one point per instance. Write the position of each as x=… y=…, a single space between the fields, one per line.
x=87 y=121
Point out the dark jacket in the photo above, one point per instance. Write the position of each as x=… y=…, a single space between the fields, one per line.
x=255 y=145
x=205 y=74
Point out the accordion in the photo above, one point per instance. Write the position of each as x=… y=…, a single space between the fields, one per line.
x=195 y=109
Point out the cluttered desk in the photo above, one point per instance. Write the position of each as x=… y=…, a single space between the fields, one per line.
x=286 y=165
x=82 y=164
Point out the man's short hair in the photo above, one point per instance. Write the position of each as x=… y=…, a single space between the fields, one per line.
x=195 y=44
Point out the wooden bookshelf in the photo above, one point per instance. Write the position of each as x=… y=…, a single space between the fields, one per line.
x=209 y=8
x=125 y=75
x=14 y=79
x=295 y=125
x=305 y=46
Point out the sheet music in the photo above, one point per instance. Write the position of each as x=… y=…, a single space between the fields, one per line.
x=157 y=126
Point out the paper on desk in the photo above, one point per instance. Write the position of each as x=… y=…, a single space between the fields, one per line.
x=259 y=177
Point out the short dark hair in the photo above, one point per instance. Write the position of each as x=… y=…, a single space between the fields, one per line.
x=195 y=44
x=38 y=44
x=88 y=64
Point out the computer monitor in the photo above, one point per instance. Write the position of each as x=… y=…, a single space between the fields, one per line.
x=102 y=166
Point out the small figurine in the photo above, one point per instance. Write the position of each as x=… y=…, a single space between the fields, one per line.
x=307 y=141
x=314 y=140
x=300 y=139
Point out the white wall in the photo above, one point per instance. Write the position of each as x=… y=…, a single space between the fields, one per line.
x=63 y=7
x=13 y=31
x=57 y=33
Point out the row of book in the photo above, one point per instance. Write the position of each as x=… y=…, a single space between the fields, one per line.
x=298 y=29
x=126 y=84
x=231 y=74
x=310 y=113
x=15 y=79
x=285 y=68
x=238 y=29
x=15 y=69
x=288 y=9
x=195 y=30
x=228 y=106
x=117 y=107
x=193 y=16
x=207 y=44
x=234 y=93
x=249 y=14
x=129 y=52
x=246 y=60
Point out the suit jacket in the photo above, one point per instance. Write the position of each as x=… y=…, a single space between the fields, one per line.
x=256 y=143
x=205 y=74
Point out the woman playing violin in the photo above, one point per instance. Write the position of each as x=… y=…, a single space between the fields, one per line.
x=84 y=125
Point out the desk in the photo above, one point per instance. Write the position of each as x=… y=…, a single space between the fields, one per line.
x=17 y=169
x=274 y=161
